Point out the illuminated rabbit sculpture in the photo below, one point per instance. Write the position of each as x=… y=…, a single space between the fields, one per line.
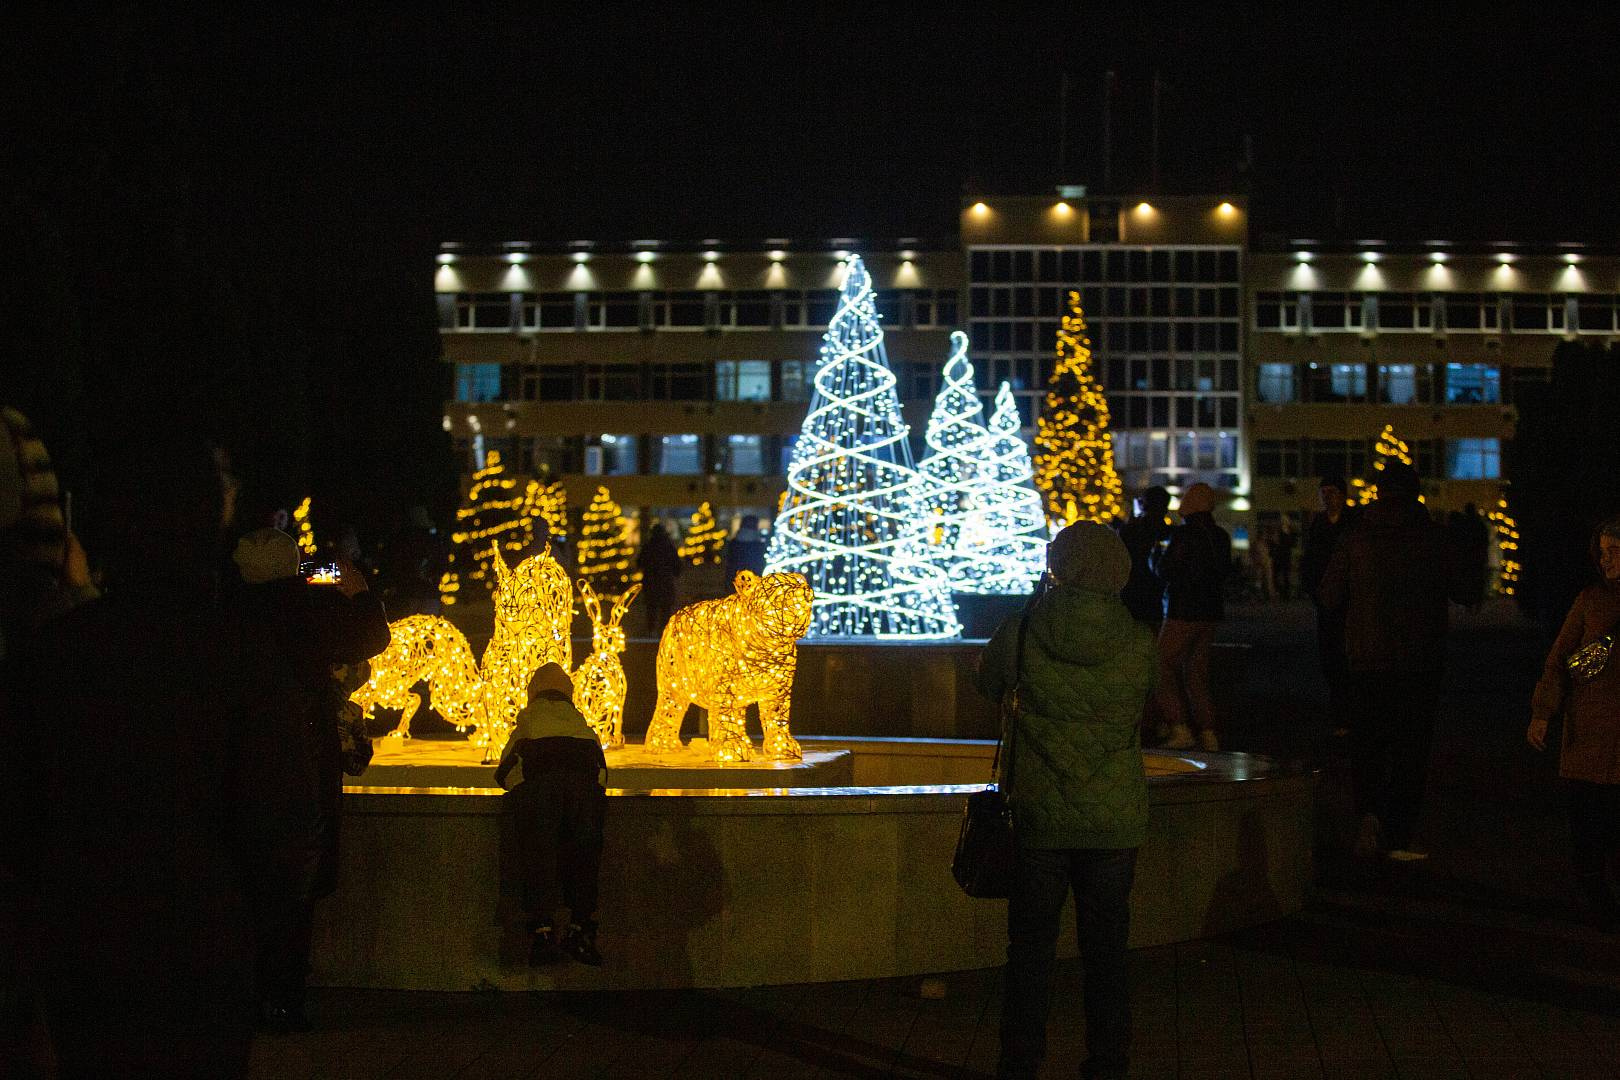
x=599 y=682
x=724 y=654
x=533 y=608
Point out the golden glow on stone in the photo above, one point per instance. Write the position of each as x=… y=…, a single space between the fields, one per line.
x=599 y=683
x=1074 y=451
x=724 y=654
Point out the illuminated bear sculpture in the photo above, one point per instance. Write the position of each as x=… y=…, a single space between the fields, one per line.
x=724 y=654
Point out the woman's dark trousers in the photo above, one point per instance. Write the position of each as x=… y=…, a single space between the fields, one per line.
x=1101 y=880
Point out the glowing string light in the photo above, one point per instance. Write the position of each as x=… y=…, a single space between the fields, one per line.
x=1389 y=447
x=723 y=655
x=1074 y=461
x=949 y=473
x=705 y=541
x=1507 y=543
x=306 y=533
x=849 y=523
x=499 y=510
x=599 y=684
x=1003 y=546
x=606 y=555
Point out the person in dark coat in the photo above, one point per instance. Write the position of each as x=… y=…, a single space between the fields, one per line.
x=413 y=562
x=1392 y=576
x=157 y=803
x=660 y=565
x=315 y=628
x=1194 y=567
x=1589 y=756
x=1078 y=792
x=746 y=550
x=1322 y=535
x=1143 y=535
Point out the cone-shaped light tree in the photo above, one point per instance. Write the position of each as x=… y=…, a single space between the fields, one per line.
x=606 y=557
x=306 y=532
x=955 y=438
x=1074 y=452
x=705 y=540
x=1003 y=538
x=850 y=523
x=551 y=503
x=499 y=509
x=1389 y=447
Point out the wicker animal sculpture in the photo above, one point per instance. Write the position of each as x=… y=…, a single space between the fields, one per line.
x=424 y=648
x=599 y=683
x=533 y=609
x=724 y=654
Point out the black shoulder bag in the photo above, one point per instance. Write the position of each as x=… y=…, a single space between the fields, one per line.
x=986 y=851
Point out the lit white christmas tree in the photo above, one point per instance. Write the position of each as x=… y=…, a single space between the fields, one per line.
x=949 y=471
x=850 y=523
x=1002 y=549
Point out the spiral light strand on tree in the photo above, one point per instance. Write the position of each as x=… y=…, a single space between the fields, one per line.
x=851 y=522
x=950 y=471
x=1002 y=544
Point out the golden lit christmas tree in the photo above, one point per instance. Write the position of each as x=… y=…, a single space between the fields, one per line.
x=1389 y=447
x=500 y=509
x=606 y=556
x=705 y=539
x=1507 y=542
x=551 y=503
x=306 y=534
x=1074 y=452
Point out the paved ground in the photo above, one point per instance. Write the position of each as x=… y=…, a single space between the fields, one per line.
x=1472 y=965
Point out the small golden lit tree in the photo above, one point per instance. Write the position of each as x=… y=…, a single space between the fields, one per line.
x=723 y=655
x=500 y=510
x=1074 y=452
x=705 y=541
x=551 y=503
x=306 y=533
x=1507 y=543
x=606 y=555
x=1389 y=447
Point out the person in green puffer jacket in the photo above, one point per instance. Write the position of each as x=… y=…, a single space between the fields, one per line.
x=1077 y=789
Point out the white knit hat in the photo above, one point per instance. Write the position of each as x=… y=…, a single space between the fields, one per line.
x=266 y=555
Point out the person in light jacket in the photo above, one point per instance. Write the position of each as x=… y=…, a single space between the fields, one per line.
x=1078 y=791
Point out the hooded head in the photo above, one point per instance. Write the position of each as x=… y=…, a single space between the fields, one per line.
x=1155 y=501
x=1089 y=556
x=551 y=677
x=1398 y=483
x=266 y=555
x=1198 y=499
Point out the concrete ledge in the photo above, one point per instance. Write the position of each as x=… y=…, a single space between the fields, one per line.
x=756 y=886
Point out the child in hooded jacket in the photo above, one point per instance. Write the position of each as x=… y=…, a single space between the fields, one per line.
x=559 y=804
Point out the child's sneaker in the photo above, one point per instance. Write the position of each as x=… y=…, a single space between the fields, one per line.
x=543 y=950
x=580 y=943
x=1180 y=738
x=1207 y=742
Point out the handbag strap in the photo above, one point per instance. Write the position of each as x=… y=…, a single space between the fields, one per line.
x=1009 y=716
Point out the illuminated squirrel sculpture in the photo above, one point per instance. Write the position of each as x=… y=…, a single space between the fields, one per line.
x=533 y=609
x=724 y=654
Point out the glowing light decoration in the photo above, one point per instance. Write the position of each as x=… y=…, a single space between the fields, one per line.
x=1507 y=543
x=499 y=511
x=606 y=555
x=551 y=503
x=950 y=471
x=705 y=542
x=306 y=533
x=1074 y=458
x=850 y=523
x=1389 y=447
x=723 y=655
x=599 y=683
x=533 y=612
x=1003 y=542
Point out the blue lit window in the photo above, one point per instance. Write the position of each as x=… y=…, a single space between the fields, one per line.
x=1473 y=459
x=680 y=455
x=1473 y=384
x=478 y=382
x=1276 y=384
x=745 y=455
x=742 y=380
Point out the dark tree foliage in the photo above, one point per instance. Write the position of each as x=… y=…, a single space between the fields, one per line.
x=1564 y=463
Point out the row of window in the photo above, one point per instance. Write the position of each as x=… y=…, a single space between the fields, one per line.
x=1389 y=384
x=1430 y=312
x=759 y=309
x=1109 y=336
x=1449 y=459
x=1091 y=265
x=631 y=455
x=1141 y=302
x=1174 y=410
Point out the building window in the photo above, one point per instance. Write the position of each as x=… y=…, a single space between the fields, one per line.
x=680 y=310
x=680 y=455
x=547 y=311
x=1404 y=384
x=1538 y=313
x=1473 y=459
x=1595 y=314
x=611 y=455
x=1272 y=310
x=679 y=382
x=918 y=380
x=792 y=309
x=1335 y=382
x=819 y=308
x=747 y=310
x=798 y=380
x=742 y=380
x=1472 y=311
x=934 y=307
x=1473 y=384
x=1405 y=311
x=546 y=382
x=744 y=455
x=1275 y=385
x=478 y=382
x=1332 y=311
x=1277 y=457
x=612 y=311
x=786 y=455
x=1338 y=457
x=612 y=382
